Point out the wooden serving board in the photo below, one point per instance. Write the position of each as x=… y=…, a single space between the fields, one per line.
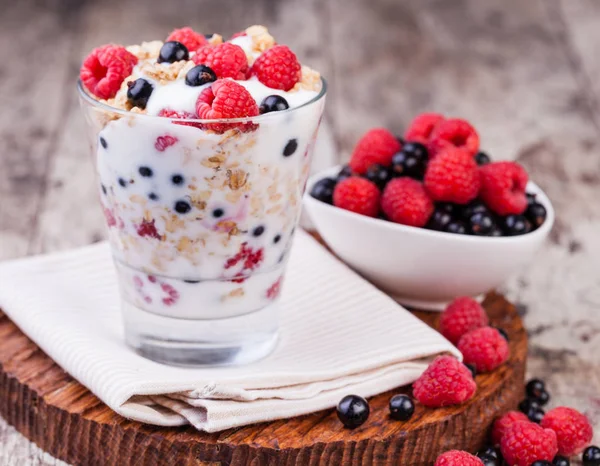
x=62 y=417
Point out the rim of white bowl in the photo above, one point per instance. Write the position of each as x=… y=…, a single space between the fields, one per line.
x=531 y=186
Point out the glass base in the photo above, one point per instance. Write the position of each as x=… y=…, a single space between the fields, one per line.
x=208 y=342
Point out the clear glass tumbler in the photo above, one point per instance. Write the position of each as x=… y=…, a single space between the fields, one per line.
x=200 y=216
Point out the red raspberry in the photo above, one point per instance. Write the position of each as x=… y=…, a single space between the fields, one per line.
x=405 y=201
x=422 y=126
x=163 y=142
x=239 y=34
x=461 y=316
x=485 y=348
x=445 y=382
x=504 y=423
x=378 y=145
x=147 y=228
x=277 y=68
x=357 y=195
x=452 y=176
x=227 y=60
x=454 y=132
x=168 y=113
x=526 y=442
x=226 y=99
x=105 y=68
x=457 y=458
x=503 y=187
x=573 y=430
x=188 y=37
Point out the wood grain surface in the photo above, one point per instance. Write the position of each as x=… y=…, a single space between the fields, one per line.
x=65 y=419
x=525 y=73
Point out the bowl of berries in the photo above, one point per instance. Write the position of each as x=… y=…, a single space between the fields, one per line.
x=428 y=217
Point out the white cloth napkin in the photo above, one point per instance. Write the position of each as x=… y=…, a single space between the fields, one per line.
x=339 y=335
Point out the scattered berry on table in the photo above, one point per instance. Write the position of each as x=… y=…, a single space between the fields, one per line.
x=410 y=161
x=182 y=207
x=457 y=227
x=535 y=388
x=490 y=451
x=379 y=175
x=561 y=461
x=146 y=172
x=357 y=195
x=441 y=217
x=457 y=458
x=353 y=411
x=452 y=176
x=536 y=415
x=536 y=214
x=277 y=68
x=503 y=187
x=526 y=442
x=591 y=456
x=105 y=68
x=378 y=145
x=481 y=158
x=527 y=404
x=405 y=201
x=482 y=224
x=543 y=398
x=226 y=99
x=103 y=142
x=445 y=382
x=532 y=410
x=173 y=51
x=273 y=103
x=200 y=75
x=227 y=60
x=454 y=133
x=485 y=348
x=138 y=92
x=188 y=37
x=502 y=424
x=422 y=126
x=460 y=317
x=401 y=407
x=573 y=430
x=488 y=460
x=514 y=225
x=322 y=190
x=344 y=173
x=290 y=147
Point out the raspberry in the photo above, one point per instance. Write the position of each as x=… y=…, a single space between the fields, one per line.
x=504 y=423
x=405 y=201
x=378 y=145
x=188 y=37
x=457 y=458
x=422 y=126
x=357 y=195
x=163 y=142
x=226 y=99
x=452 y=176
x=503 y=187
x=461 y=316
x=239 y=34
x=168 y=113
x=248 y=257
x=105 y=68
x=147 y=228
x=277 y=68
x=274 y=290
x=526 y=442
x=454 y=132
x=227 y=60
x=485 y=348
x=445 y=382
x=573 y=430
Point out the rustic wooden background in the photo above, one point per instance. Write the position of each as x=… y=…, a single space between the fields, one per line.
x=525 y=73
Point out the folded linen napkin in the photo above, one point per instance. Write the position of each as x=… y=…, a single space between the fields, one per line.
x=339 y=335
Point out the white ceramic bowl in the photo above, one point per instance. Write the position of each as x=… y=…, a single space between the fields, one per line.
x=423 y=268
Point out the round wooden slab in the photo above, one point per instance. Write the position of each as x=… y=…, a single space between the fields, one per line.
x=62 y=417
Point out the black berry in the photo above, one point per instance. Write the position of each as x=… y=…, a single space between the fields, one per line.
x=379 y=175
x=401 y=407
x=535 y=415
x=153 y=197
x=277 y=239
x=273 y=103
x=259 y=230
x=401 y=140
x=103 y=142
x=531 y=198
x=103 y=188
x=527 y=404
x=541 y=463
x=591 y=456
x=192 y=281
x=514 y=225
x=182 y=207
x=543 y=398
x=481 y=224
x=482 y=158
x=474 y=207
x=561 y=461
x=345 y=172
x=471 y=368
x=489 y=451
x=534 y=387
x=322 y=190
x=441 y=217
x=353 y=411
x=122 y=182
x=410 y=161
x=173 y=51
x=218 y=213
x=290 y=147
x=145 y=171
x=177 y=179
x=488 y=460
x=138 y=92
x=457 y=227
x=536 y=214
x=497 y=232
x=199 y=75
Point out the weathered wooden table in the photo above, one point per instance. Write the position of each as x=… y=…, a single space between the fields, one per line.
x=525 y=73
